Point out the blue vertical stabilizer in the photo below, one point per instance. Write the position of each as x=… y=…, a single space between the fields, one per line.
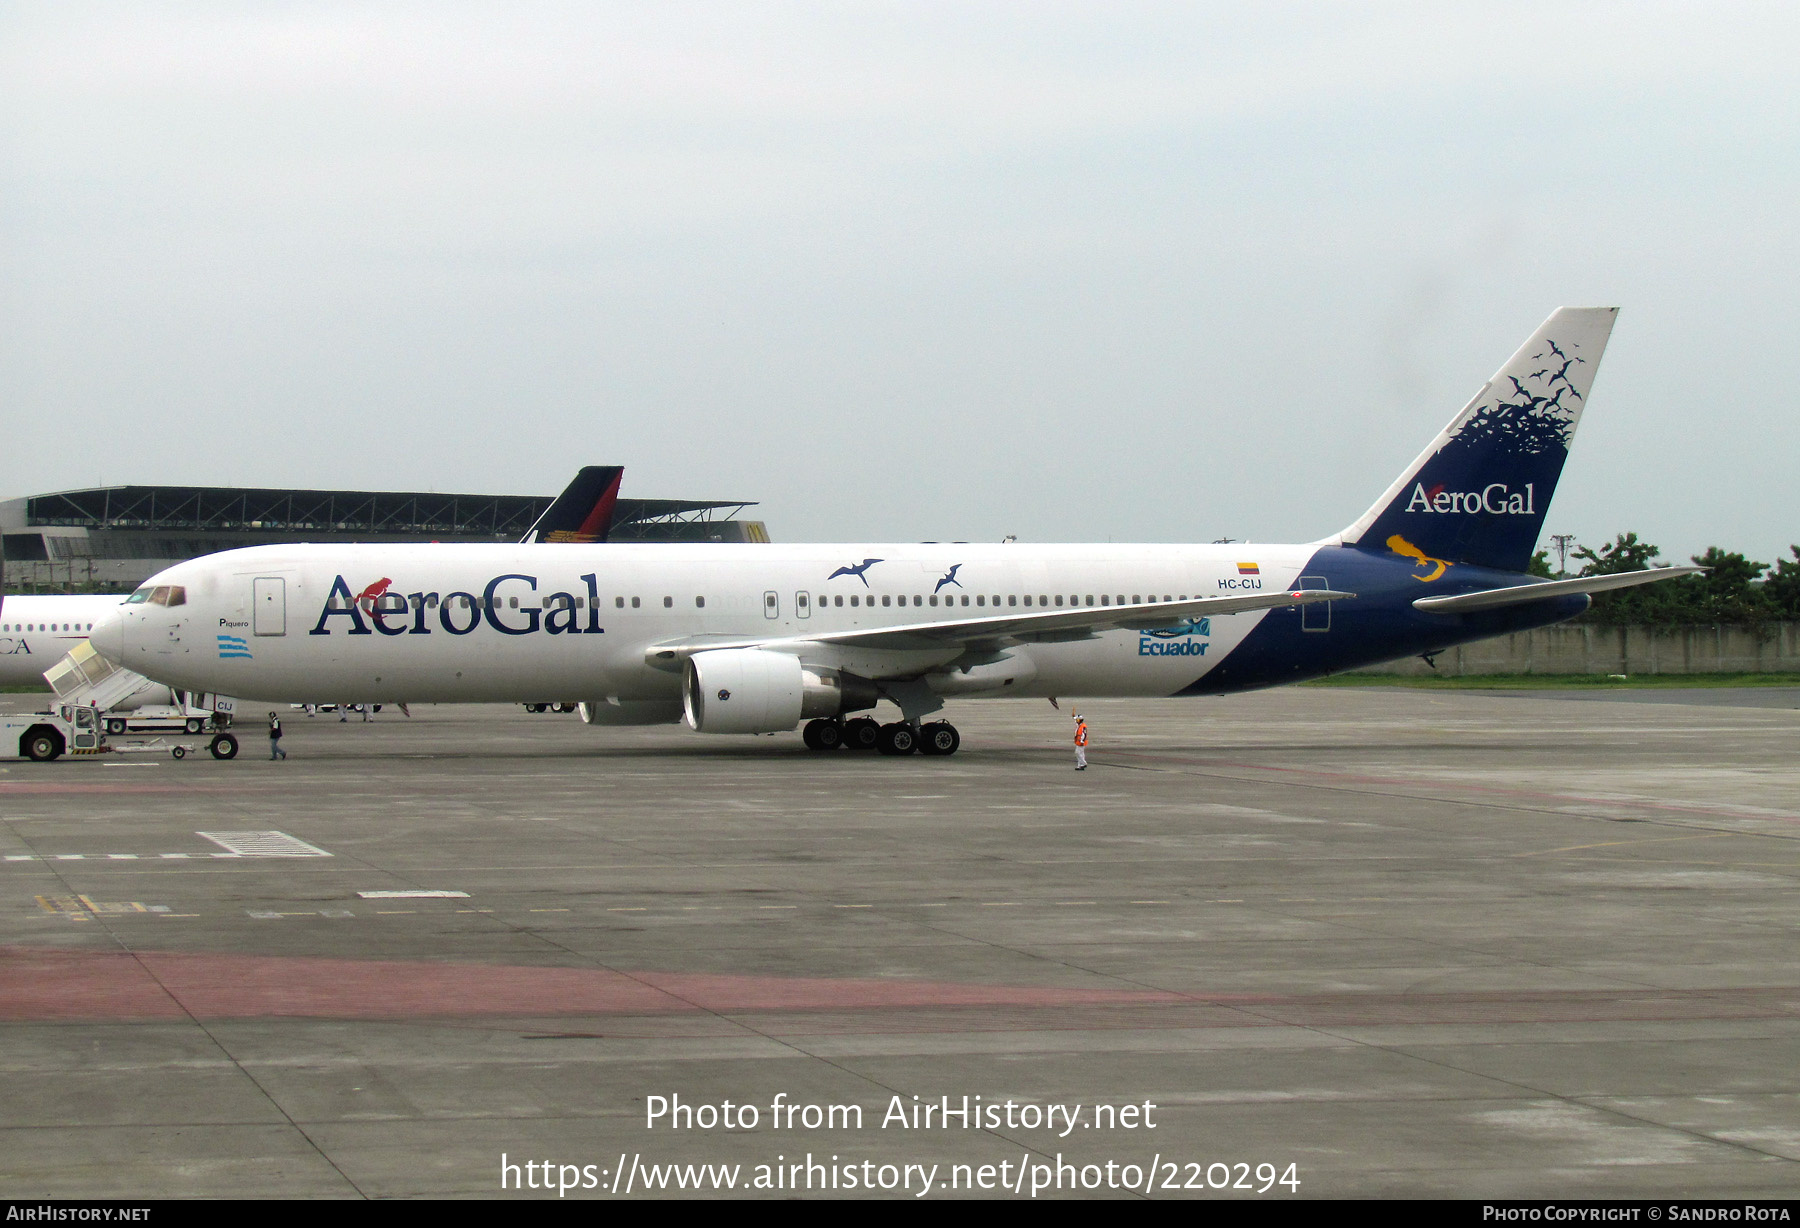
x=1479 y=493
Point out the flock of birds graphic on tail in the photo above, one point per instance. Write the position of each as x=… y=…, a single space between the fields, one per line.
x=1531 y=422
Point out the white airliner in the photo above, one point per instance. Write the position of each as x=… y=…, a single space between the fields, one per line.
x=757 y=638
x=36 y=631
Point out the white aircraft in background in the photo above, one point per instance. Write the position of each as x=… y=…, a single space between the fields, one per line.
x=740 y=638
x=36 y=631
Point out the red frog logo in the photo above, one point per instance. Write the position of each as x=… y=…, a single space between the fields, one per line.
x=369 y=596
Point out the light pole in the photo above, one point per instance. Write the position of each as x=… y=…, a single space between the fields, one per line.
x=1562 y=541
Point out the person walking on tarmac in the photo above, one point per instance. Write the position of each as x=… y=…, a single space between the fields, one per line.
x=275 y=751
x=1080 y=743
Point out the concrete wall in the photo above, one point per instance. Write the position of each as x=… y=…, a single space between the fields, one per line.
x=1619 y=650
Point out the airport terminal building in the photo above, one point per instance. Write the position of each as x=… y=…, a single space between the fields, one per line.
x=112 y=538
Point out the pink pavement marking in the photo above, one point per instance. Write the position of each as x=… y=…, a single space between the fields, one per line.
x=68 y=985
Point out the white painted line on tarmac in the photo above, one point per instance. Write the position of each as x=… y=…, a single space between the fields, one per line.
x=413 y=895
x=261 y=844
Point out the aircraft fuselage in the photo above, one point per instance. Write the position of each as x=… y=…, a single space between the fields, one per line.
x=478 y=623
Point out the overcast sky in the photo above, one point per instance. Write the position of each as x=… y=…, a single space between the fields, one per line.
x=1110 y=271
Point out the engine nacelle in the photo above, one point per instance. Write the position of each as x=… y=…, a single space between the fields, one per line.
x=753 y=690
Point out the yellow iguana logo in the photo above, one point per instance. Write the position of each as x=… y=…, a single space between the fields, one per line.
x=1399 y=545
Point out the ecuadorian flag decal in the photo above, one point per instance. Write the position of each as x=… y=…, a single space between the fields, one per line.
x=1249 y=569
x=234 y=646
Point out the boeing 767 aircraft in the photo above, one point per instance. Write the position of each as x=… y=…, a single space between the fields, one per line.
x=738 y=638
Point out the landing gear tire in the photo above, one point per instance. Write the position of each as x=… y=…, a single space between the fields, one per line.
x=898 y=739
x=939 y=738
x=861 y=734
x=822 y=735
x=224 y=747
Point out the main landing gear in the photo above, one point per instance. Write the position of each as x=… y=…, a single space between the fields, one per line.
x=899 y=738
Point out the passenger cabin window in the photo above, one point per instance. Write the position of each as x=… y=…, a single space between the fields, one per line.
x=699 y=603
x=668 y=603
x=619 y=602
x=636 y=603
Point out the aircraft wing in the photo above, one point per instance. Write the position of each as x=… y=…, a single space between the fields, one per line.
x=999 y=630
x=1543 y=590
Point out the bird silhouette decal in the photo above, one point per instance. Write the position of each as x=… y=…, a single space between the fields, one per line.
x=1528 y=423
x=949 y=578
x=856 y=571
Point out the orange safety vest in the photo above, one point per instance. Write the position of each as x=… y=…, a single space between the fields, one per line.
x=1081 y=734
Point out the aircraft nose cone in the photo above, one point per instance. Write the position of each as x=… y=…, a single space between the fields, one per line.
x=108 y=636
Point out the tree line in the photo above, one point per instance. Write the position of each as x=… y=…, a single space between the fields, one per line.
x=1734 y=589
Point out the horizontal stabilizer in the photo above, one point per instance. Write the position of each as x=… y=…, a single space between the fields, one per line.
x=1519 y=594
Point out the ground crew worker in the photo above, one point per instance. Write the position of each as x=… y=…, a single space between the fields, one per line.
x=1080 y=743
x=275 y=751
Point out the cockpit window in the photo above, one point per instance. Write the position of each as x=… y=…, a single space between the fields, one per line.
x=168 y=594
x=139 y=597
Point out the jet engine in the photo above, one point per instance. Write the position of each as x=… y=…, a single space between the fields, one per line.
x=754 y=690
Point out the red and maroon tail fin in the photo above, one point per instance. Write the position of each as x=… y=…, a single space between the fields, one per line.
x=583 y=512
